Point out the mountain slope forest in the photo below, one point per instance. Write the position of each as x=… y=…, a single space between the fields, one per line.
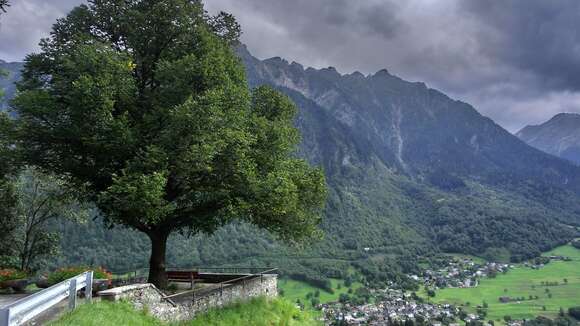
x=559 y=136
x=411 y=172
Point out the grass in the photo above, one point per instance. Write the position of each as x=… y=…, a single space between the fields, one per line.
x=523 y=282
x=107 y=313
x=257 y=312
x=294 y=290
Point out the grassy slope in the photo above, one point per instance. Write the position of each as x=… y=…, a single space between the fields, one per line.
x=297 y=290
x=257 y=312
x=518 y=283
x=106 y=313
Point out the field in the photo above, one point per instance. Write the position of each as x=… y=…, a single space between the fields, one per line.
x=523 y=282
x=294 y=290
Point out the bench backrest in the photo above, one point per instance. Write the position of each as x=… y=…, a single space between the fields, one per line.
x=185 y=276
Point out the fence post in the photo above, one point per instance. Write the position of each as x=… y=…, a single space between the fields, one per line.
x=72 y=294
x=4 y=317
x=89 y=287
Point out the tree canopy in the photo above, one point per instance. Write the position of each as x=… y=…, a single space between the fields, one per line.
x=145 y=107
x=40 y=198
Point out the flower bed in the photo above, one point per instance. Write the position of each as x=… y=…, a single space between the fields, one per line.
x=62 y=274
x=13 y=278
x=12 y=274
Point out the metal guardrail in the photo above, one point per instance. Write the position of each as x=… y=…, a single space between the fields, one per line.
x=31 y=306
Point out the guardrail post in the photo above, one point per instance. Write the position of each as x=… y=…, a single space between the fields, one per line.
x=89 y=287
x=4 y=317
x=72 y=294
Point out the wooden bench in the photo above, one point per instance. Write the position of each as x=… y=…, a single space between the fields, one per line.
x=182 y=276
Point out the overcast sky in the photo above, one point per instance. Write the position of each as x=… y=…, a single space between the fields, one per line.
x=516 y=61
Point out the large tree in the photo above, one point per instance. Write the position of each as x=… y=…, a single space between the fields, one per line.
x=144 y=104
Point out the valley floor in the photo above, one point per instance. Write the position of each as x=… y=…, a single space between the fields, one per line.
x=523 y=282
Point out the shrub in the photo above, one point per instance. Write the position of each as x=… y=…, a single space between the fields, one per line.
x=343 y=298
x=12 y=274
x=68 y=272
x=315 y=302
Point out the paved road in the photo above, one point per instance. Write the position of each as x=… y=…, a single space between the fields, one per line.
x=51 y=314
x=6 y=299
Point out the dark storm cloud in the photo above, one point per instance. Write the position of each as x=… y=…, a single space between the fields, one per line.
x=542 y=37
x=516 y=61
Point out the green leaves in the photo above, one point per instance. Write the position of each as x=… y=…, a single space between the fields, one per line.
x=137 y=199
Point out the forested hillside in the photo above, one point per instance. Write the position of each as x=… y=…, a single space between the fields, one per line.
x=410 y=172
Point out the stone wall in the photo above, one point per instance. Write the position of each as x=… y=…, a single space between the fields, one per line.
x=267 y=286
x=148 y=297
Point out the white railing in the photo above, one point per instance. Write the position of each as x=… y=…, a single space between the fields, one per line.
x=27 y=308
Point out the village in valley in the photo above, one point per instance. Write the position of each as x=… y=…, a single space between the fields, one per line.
x=394 y=307
x=398 y=307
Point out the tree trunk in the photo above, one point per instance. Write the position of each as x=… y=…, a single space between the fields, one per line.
x=157 y=275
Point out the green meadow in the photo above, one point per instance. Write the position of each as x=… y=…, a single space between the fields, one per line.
x=523 y=282
x=293 y=290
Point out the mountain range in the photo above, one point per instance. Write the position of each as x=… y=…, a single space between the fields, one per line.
x=410 y=172
x=559 y=136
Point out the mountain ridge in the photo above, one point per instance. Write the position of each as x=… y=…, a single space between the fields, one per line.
x=349 y=98
x=420 y=138
x=559 y=136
